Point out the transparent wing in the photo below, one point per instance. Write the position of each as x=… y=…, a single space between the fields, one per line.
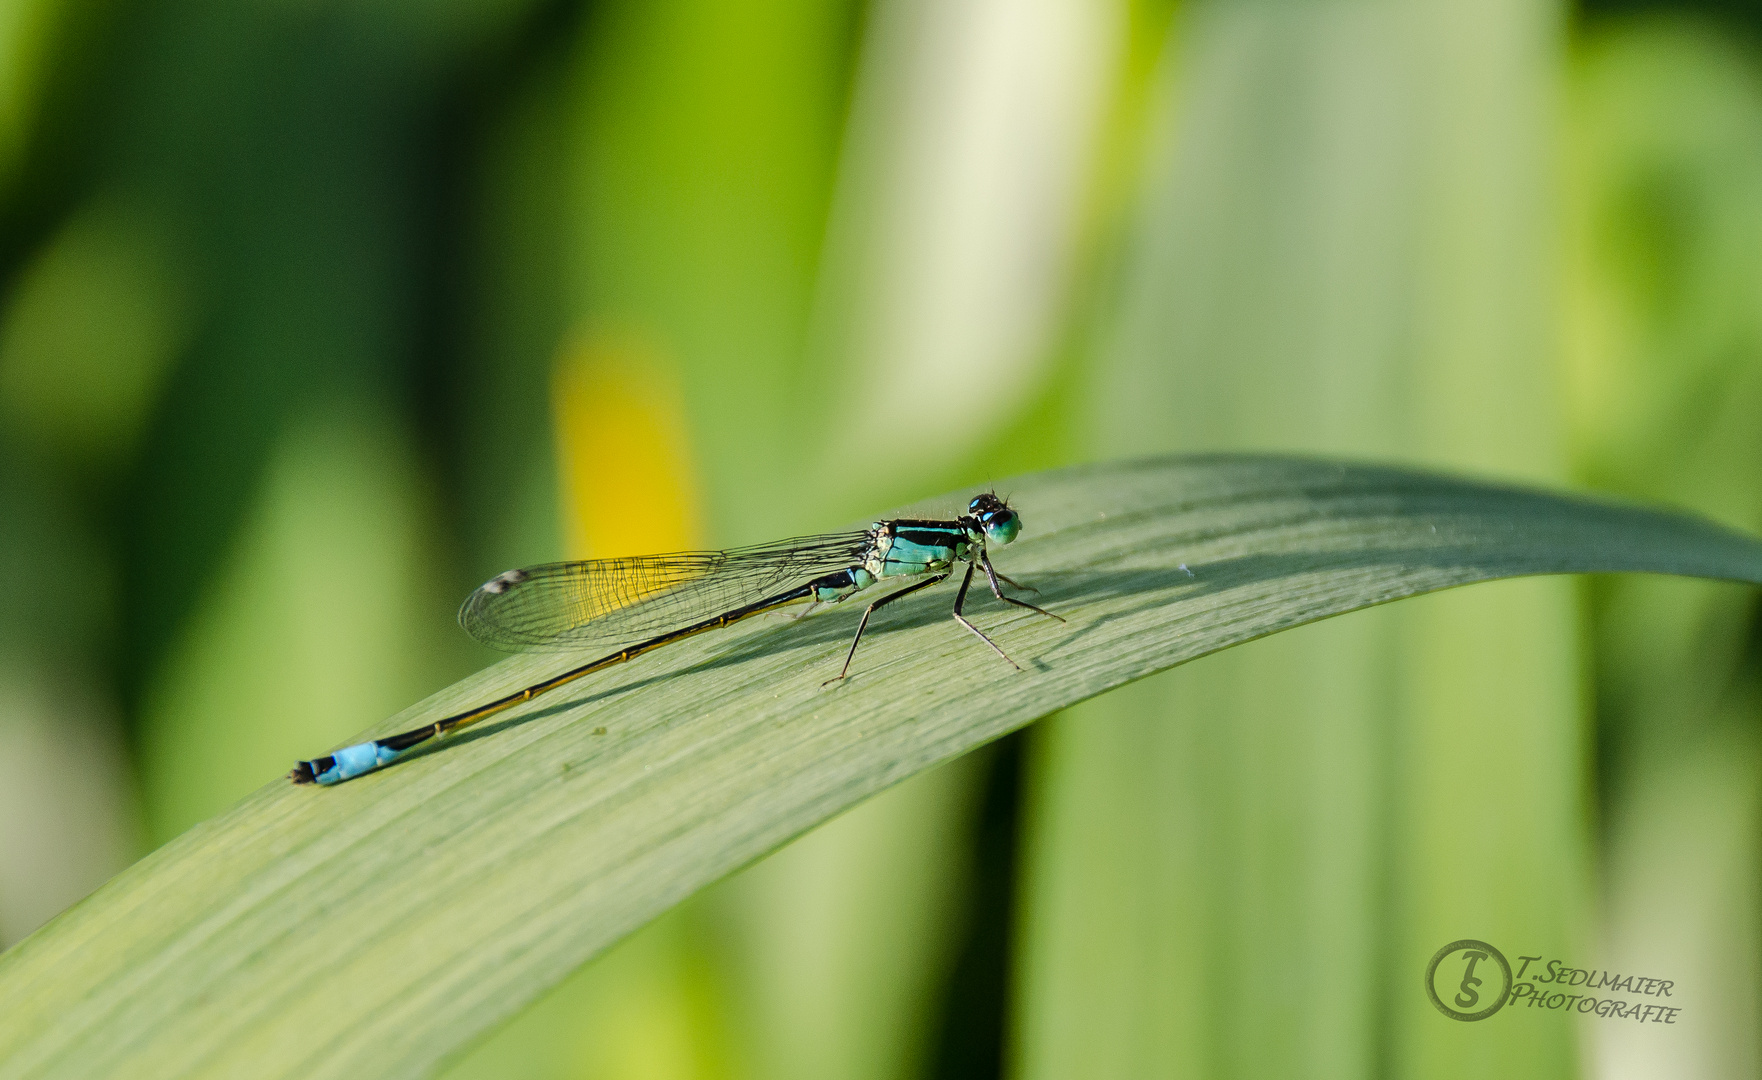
x=569 y=604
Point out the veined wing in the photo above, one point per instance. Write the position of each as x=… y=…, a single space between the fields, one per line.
x=569 y=604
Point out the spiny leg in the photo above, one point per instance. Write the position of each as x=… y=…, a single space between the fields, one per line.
x=1015 y=584
x=992 y=575
x=960 y=599
x=870 y=610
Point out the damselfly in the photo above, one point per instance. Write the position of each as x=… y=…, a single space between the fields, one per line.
x=655 y=600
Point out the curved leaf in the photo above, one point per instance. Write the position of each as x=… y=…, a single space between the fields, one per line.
x=376 y=928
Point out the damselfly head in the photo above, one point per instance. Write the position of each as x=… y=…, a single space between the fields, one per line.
x=1001 y=524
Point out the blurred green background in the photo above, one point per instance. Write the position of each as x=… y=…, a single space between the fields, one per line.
x=316 y=315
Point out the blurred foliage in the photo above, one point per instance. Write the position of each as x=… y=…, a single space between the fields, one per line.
x=316 y=315
x=1664 y=343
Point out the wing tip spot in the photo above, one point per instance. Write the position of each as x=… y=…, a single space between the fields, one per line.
x=501 y=583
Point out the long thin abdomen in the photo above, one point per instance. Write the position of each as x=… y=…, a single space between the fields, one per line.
x=362 y=758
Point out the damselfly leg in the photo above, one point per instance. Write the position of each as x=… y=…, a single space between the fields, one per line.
x=870 y=610
x=993 y=576
x=960 y=598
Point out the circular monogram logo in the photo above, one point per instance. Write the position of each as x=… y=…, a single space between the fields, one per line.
x=1468 y=980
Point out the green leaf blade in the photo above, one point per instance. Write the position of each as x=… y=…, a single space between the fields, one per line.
x=379 y=927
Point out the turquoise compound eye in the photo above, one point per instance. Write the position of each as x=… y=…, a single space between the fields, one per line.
x=1002 y=528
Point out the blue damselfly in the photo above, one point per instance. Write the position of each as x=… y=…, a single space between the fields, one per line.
x=654 y=600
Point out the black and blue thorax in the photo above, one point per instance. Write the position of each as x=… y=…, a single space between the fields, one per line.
x=904 y=548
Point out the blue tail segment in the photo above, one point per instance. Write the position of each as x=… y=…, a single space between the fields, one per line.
x=345 y=764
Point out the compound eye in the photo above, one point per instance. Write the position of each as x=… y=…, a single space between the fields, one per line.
x=1001 y=525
